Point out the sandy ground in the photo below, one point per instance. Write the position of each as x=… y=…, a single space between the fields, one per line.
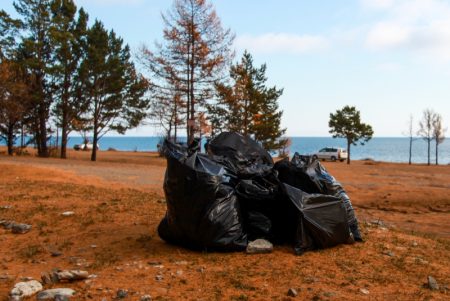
x=118 y=203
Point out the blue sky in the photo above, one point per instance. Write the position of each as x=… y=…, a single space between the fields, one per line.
x=389 y=58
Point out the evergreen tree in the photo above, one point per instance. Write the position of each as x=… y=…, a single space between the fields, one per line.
x=114 y=91
x=251 y=107
x=36 y=51
x=68 y=35
x=346 y=123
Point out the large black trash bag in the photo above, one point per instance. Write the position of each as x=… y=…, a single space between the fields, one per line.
x=310 y=176
x=202 y=210
x=241 y=154
x=321 y=220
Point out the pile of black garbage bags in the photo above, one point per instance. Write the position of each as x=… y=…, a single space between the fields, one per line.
x=236 y=193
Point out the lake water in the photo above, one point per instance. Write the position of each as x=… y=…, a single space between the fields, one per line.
x=380 y=149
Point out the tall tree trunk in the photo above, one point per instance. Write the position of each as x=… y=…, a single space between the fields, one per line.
x=43 y=131
x=437 y=155
x=429 y=153
x=94 y=146
x=348 y=151
x=410 y=149
x=10 y=139
x=64 y=141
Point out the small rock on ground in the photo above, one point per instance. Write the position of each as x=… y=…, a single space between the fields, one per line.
x=121 y=294
x=432 y=283
x=20 y=228
x=364 y=291
x=68 y=213
x=292 y=292
x=146 y=298
x=25 y=289
x=51 y=294
x=259 y=246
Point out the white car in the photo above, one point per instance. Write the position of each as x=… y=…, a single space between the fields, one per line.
x=331 y=153
x=84 y=146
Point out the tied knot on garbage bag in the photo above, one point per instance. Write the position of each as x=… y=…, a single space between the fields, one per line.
x=235 y=194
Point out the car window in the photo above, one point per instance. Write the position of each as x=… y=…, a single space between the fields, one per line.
x=333 y=150
x=323 y=150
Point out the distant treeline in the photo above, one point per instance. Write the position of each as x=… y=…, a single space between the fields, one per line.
x=61 y=73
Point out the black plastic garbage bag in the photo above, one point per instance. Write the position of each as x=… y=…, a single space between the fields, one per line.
x=243 y=155
x=322 y=220
x=257 y=204
x=202 y=210
x=312 y=177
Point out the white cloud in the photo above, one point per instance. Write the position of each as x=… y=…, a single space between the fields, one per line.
x=281 y=43
x=421 y=27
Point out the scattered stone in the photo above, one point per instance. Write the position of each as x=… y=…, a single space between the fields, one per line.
x=25 y=289
x=415 y=244
x=121 y=294
x=6 y=224
x=51 y=294
x=5 y=207
x=364 y=291
x=55 y=253
x=68 y=213
x=432 y=284
x=159 y=277
x=146 y=298
x=153 y=263
x=63 y=276
x=93 y=246
x=179 y=272
x=292 y=292
x=388 y=253
x=20 y=228
x=259 y=246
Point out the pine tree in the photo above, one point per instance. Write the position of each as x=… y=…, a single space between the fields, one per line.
x=195 y=51
x=251 y=107
x=36 y=51
x=114 y=91
x=67 y=36
x=346 y=123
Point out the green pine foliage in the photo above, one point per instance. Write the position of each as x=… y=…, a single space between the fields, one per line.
x=346 y=123
x=113 y=89
x=248 y=106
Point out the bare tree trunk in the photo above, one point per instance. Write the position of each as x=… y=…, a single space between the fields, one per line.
x=429 y=144
x=410 y=149
x=10 y=139
x=437 y=155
